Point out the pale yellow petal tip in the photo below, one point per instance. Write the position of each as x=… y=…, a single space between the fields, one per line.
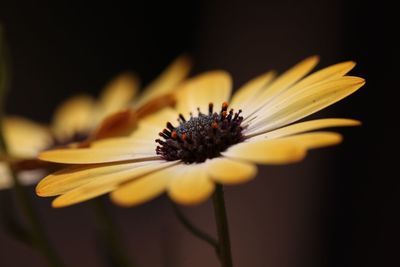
x=62 y=202
x=298 y=154
x=42 y=189
x=184 y=61
x=314 y=58
x=347 y=122
x=356 y=80
x=46 y=155
x=122 y=202
x=126 y=203
x=350 y=63
x=59 y=204
x=187 y=200
x=353 y=122
x=213 y=75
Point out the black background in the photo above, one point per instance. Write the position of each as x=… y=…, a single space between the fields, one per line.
x=338 y=208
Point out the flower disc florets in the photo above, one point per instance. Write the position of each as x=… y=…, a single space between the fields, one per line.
x=201 y=137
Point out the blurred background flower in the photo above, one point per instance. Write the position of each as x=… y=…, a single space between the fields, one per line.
x=338 y=208
x=80 y=119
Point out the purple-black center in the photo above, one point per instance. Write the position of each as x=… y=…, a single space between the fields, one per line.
x=202 y=137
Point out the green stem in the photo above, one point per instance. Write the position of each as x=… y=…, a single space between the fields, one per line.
x=222 y=227
x=195 y=230
x=37 y=231
x=110 y=236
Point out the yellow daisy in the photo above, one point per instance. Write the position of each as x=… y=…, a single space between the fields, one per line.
x=205 y=141
x=78 y=117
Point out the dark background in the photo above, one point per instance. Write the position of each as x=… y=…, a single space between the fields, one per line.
x=337 y=208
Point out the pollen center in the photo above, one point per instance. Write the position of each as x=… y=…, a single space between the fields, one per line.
x=202 y=137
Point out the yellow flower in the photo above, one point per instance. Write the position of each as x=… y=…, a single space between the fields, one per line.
x=210 y=143
x=78 y=117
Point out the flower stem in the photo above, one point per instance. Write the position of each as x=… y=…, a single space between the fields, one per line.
x=195 y=230
x=222 y=227
x=110 y=236
x=37 y=231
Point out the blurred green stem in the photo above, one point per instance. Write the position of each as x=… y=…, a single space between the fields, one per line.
x=110 y=236
x=36 y=231
x=195 y=230
x=221 y=220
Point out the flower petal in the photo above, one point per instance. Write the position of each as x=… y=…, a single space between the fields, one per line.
x=108 y=182
x=314 y=139
x=190 y=184
x=329 y=73
x=5 y=176
x=251 y=90
x=304 y=127
x=267 y=151
x=288 y=78
x=75 y=115
x=228 y=171
x=160 y=118
x=297 y=107
x=143 y=189
x=118 y=94
x=320 y=77
x=70 y=178
x=168 y=81
x=25 y=138
x=210 y=87
x=96 y=155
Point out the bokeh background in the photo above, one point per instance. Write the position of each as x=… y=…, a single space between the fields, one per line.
x=337 y=208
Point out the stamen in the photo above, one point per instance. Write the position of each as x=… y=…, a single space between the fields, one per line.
x=214 y=125
x=164 y=135
x=210 y=108
x=170 y=126
x=225 y=106
x=202 y=137
x=182 y=118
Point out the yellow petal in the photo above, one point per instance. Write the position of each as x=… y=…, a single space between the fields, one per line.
x=168 y=81
x=76 y=196
x=314 y=139
x=5 y=176
x=251 y=90
x=321 y=77
x=143 y=189
x=297 y=107
x=135 y=144
x=106 y=183
x=75 y=115
x=190 y=184
x=160 y=118
x=329 y=73
x=288 y=78
x=149 y=127
x=210 y=87
x=304 y=127
x=227 y=171
x=267 y=151
x=118 y=94
x=25 y=138
x=95 y=155
x=70 y=178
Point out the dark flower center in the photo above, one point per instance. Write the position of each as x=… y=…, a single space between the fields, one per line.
x=202 y=137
